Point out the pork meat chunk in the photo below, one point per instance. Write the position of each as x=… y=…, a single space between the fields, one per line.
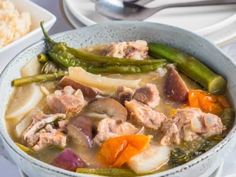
x=148 y=95
x=137 y=50
x=144 y=114
x=124 y=94
x=109 y=128
x=190 y=124
x=66 y=101
x=44 y=132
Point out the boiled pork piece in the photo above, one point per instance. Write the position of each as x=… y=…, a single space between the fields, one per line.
x=124 y=94
x=148 y=95
x=175 y=88
x=68 y=160
x=80 y=129
x=109 y=128
x=137 y=50
x=41 y=133
x=66 y=101
x=144 y=114
x=190 y=124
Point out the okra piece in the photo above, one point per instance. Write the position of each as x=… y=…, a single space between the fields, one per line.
x=107 y=172
x=37 y=78
x=191 y=67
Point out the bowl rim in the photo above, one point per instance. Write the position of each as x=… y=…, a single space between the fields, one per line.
x=4 y=135
x=51 y=20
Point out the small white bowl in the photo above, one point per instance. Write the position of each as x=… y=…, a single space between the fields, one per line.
x=37 y=14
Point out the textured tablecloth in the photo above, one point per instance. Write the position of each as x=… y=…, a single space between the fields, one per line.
x=7 y=169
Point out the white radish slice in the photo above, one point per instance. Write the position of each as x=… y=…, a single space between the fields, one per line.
x=23 y=124
x=98 y=81
x=24 y=99
x=31 y=68
x=151 y=159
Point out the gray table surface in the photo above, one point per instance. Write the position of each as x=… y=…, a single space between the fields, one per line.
x=7 y=169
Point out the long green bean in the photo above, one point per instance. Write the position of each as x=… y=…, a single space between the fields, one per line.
x=36 y=78
x=107 y=172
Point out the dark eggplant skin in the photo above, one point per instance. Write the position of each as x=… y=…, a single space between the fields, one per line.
x=80 y=128
x=68 y=160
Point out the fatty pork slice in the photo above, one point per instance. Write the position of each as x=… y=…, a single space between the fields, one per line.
x=148 y=95
x=66 y=101
x=137 y=50
x=68 y=160
x=145 y=115
x=109 y=128
x=175 y=87
x=190 y=124
x=80 y=128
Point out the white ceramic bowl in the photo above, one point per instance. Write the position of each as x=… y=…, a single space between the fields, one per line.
x=124 y=31
x=37 y=14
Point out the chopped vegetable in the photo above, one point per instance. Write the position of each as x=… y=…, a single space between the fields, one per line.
x=42 y=58
x=107 y=172
x=28 y=97
x=25 y=149
x=66 y=60
x=214 y=104
x=36 y=78
x=80 y=129
x=26 y=121
x=31 y=68
x=100 y=82
x=149 y=160
x=127 y=69
x=179 y=156
x=117 y=151
x=66 y=57
x=175 y=88
x=190 y=66
x=108 y=106
x=189 y=150
x=83 y=55
x=227 y=117
x=68 y=160
x=50 y=67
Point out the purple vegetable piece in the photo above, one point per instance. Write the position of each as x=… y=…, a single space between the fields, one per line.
x=68 y=160
x=80 y=129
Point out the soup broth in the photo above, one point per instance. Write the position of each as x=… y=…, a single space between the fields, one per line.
x=188 y=140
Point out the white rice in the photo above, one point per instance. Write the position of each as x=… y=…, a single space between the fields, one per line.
x=13 y=24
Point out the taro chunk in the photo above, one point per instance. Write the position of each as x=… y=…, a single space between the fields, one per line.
x=68 y=160
x=175 y=87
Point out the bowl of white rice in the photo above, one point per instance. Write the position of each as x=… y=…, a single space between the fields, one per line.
x=19 y=26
